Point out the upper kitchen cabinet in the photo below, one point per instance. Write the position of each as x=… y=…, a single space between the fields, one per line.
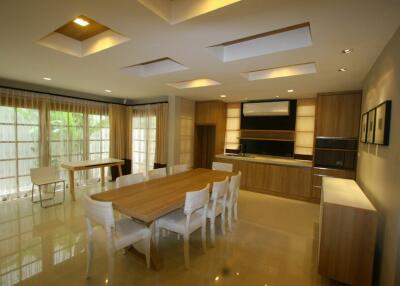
x=338 y=114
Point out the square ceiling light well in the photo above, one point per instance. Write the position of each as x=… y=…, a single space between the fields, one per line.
x=82 y=40
x=289 y=38
x=176 y=11
x=202 y=82
x=287 y=71
x=155 y=67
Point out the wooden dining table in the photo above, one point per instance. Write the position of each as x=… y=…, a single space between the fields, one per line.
x=147 y=201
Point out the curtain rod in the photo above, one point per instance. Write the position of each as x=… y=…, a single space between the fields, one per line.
x=139 y=104
x=60 y=95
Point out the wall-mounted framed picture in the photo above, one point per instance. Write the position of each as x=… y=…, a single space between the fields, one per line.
x=371 y=126
x=382 y=123
x=364 y=128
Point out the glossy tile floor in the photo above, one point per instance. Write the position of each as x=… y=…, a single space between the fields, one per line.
x=274 y=243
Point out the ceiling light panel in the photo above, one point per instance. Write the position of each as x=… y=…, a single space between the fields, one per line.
x=156 y=67
x=285 y=39
x=203 y=82
x=287 y=71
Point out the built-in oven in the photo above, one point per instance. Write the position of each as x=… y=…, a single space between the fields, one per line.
x=334 y=152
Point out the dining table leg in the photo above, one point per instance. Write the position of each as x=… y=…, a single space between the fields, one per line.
x=102 y=176
x=155 y=258
x=119 y=170
x=71 y=184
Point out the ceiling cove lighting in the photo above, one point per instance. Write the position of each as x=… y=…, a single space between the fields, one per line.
x=47 y=78
x=284 y=39
x=202 y=82
x=342 y=70
x=287 y=71
x=347 y=51
x=81 y=22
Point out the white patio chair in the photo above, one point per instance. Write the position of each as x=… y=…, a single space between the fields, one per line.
x=217 y=206
x=157 y=173
x=130 y=179
x=173 y=170
x=185 y=221
x=232 y=198
x=226 y=167
x=119 y=234
x=45 y=176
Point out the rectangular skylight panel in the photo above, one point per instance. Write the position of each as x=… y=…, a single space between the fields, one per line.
x=285 y=39
x=203 y=82
x=156 y=67
x=287 y=71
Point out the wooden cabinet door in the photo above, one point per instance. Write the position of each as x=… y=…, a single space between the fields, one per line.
x=338 y=115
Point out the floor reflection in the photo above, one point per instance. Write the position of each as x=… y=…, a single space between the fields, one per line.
x=274 y=243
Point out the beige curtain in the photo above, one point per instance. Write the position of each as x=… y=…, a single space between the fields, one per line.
x=120 y=131
x=161 y=111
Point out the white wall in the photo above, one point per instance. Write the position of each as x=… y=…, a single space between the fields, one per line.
x=378 y=171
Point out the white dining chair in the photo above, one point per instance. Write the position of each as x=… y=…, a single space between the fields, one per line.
x=185 y=221
x=157 y=173
x=226 y=167
x=232 y=198
x=173 y=170
x=217 y=206
x=119 y=234
x=130 y=179
x=45 y=176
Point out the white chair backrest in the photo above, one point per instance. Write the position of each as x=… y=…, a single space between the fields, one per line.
x=220 y=189
x=196 y=200
x=130 y=179
x=43 y=173
x=178 y=169
x=226 y=167
x=157 y=173
x=234 y=187
x=99 y=212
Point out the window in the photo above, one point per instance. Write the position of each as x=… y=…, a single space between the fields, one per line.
x=143 y=142
x=232 y=135
x=66 y=138
x=99 y=140
x=19 y=148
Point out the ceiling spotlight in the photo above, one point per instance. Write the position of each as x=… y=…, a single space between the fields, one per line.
x=290 y=90
x=347 y=51
x=81 y=22
x=47 y=78
x=107 y=90
x=342 y=69
x=216 y=278
x=277 y=96
x=222 y=95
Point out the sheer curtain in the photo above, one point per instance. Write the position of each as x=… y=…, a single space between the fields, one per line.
x=40 y=130
x=149 y=136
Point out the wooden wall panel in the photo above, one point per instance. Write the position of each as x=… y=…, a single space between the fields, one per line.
x=338 y=114
x=213 y=113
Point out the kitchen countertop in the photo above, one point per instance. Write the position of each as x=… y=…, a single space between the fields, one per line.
x=268 y=160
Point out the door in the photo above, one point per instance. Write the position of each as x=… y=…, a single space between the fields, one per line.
x=204 y=147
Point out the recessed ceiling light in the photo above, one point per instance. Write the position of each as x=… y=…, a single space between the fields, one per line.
x=107 y=90
x=342 y=69
x=290 y=90
x=347 y=51
x=222 y=95
x=47 y=78
x=216 y=278
x=81 y=22
x=277 y=96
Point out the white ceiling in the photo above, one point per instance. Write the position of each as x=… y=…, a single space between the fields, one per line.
x=365 y=25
